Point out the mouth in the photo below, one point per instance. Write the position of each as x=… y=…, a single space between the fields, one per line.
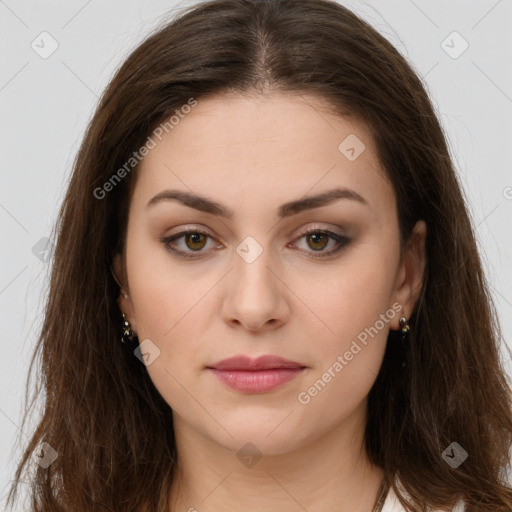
x=253 y=376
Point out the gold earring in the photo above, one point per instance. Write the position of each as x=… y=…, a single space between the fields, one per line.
x=405 y=327
x=127 y=331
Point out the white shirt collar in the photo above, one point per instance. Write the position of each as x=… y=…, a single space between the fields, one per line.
x=392 y=504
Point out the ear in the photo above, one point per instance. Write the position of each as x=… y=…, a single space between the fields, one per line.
x=123 y=300
x=411 y=272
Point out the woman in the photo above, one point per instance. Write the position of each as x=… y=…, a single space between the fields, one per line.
x=266 y=292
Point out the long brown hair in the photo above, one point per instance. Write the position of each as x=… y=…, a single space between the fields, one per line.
x=111 y=429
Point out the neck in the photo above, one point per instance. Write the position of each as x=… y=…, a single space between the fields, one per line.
x=329 y=473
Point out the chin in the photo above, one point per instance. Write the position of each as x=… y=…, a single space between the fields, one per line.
x=262 y=439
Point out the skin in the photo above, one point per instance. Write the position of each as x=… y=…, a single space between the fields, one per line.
x=252 y=154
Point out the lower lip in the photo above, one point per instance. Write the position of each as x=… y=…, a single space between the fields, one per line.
x=257 y=381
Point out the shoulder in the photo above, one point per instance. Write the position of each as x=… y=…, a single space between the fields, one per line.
x=392 y=504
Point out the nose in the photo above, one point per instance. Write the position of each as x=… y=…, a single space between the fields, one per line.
x=255 y=296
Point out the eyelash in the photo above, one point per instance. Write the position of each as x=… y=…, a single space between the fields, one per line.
x=342 y=241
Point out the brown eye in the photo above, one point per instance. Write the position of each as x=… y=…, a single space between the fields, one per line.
x=195 y=241
x=318 y=240
x=189 y=244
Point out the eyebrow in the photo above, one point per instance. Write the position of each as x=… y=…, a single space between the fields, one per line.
x=207 y=205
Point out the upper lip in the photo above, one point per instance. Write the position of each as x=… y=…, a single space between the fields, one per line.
x=266 y=362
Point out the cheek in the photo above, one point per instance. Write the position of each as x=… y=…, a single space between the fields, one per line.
x=356 y=312
x=173 y=306
x=353 y=298
x=162 y=292
x=348 y=361
x=171 y=312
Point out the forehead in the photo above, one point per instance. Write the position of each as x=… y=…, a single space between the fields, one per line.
x=276 y=147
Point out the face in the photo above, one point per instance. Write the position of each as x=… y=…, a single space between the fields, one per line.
x=254 y=269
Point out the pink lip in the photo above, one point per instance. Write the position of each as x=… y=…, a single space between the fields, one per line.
x=268 y=362
x=256 y=375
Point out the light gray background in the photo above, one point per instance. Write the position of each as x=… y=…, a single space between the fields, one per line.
x=46 y=104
